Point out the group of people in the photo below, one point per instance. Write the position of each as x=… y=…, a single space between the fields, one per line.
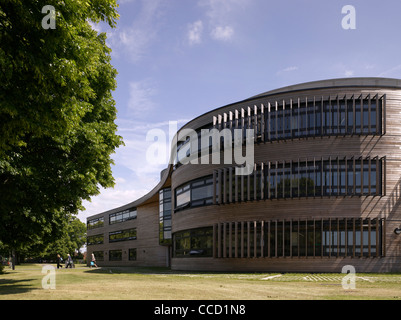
x=68 y=262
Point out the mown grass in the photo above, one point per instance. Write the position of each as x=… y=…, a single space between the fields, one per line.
x=163 y=284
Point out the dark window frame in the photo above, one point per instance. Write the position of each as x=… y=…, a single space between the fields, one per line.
x=334 y=237
x=118 y=217
x=190 y=187
x=95 y=223
x=193 y=243
x=127 y=235
x=116 y=255
x=94 y=239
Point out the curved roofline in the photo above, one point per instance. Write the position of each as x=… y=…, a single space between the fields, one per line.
x=359 y=82
x=337 y=83
x=145 y=198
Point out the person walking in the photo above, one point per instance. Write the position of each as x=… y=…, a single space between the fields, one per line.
x=59 y=261
x=69 y=261
x=93 y=262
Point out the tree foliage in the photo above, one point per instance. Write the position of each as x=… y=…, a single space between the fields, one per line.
x=70 y=241
x=57 y=130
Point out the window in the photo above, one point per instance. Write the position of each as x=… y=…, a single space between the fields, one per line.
x=115 y=255
x=319 y=177
x=95 y=223
x=132 y=254
x=95 y=239
x=314 y=116
x=184 y=148
x=352 y=237
x=99 y=255
x=194 y=194
x=295 y=118
x=193 y=243
x=335 y=237
x=122 y=235
x=183 y=196
x=165 y=216
x=123 y=216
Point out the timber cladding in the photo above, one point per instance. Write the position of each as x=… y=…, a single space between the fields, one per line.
x=146 y=242
x=325 y=190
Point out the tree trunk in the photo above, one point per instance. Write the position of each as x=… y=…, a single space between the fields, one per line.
x=13 y=258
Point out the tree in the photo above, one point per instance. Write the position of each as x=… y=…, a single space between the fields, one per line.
x=57 y=113
x=71 y=240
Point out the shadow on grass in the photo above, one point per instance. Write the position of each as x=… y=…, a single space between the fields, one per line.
x=9 y=286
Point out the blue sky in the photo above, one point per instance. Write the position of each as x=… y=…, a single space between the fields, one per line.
x=177 y=59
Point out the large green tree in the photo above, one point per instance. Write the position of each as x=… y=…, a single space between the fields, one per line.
x=71 y=240
x=57 y=113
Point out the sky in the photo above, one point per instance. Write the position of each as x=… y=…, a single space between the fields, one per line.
x=177 y=59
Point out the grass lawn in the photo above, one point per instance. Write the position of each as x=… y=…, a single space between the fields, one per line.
x=163 y=284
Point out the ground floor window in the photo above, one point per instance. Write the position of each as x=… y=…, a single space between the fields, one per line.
x=115 y=255
x=132 y=254
x=99 y=255
x=335 y=237
x=194 y=243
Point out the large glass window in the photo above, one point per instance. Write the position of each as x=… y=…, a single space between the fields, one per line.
x=194 y=194
x=319 y=177
x=95 y=223
x=122 y=235
x=95 y=239
x=165 y=216
x=123 y=216
x=317 y=116
x=115 y=255
x=335 y=237
x=352 y=237
x=194 y=243
x=332 y=177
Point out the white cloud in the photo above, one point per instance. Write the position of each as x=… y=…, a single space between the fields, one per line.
x=222 y=17
x=136 y=39
x=219 y=11
x=195 y=32
x=288 y=69
x=222 y=33
x=141 y=98
x=349 y=73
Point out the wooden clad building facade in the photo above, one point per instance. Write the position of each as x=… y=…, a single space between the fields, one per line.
x=324 y=191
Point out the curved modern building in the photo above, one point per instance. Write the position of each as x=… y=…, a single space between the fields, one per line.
x=324 y=189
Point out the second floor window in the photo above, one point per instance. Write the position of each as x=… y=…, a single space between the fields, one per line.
x=194 y=194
